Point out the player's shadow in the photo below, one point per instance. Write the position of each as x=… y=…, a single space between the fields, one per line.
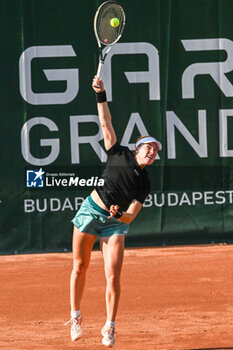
x=227 y=348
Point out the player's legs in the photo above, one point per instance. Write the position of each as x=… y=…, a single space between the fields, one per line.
x=82 y=247
x=113 y=252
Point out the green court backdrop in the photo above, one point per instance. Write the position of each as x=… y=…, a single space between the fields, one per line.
x=171 y=76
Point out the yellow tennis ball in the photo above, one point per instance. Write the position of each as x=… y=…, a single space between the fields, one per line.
x=115 y=22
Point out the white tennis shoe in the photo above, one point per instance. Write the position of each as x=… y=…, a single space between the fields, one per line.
x=76 y=330
x=108 y=334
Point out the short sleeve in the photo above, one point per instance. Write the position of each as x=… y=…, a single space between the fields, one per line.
x=114 y=149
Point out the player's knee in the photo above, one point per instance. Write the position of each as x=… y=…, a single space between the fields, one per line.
x=113 y=280
x=79 y=267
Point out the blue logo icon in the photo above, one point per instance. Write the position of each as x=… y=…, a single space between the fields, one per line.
x=35 y=178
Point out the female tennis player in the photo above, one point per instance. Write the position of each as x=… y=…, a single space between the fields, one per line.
x=107 y=212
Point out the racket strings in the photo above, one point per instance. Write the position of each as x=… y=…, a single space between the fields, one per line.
x=106 y=33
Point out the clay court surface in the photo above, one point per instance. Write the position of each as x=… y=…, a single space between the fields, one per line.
x=177 y=298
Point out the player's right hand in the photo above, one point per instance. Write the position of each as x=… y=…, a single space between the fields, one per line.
x=97 y=84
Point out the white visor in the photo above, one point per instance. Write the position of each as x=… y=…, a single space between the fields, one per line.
x=148 y=140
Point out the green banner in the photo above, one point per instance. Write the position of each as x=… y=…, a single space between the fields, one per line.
x=170 y=76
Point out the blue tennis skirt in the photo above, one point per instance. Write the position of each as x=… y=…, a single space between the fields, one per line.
x=92 y=219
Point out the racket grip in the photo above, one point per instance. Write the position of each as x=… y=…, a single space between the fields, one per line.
x=100 y=69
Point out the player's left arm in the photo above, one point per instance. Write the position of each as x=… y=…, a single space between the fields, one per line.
x=129 y=215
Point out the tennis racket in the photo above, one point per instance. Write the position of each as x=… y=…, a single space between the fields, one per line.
x=109 y=24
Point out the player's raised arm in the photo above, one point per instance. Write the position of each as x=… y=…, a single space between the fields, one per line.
x=104 y=113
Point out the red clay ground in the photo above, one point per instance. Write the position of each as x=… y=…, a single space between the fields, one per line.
x=177 y=298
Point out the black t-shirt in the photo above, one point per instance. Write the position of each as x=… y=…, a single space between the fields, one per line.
x=124 y=180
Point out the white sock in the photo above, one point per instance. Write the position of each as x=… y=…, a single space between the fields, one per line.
x=110 y=324
x=75 y=314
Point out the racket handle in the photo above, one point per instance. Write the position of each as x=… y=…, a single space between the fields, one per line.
x=100 y=69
